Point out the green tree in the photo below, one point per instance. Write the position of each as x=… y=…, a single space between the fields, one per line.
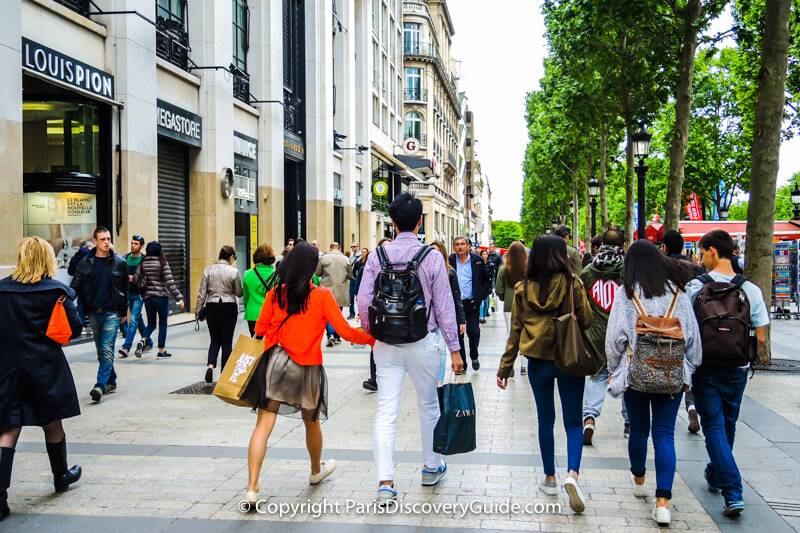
x=504 y=232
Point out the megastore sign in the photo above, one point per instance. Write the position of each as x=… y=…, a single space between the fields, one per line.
x=179 y=124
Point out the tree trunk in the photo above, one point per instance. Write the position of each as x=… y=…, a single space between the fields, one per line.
x=765 y=149
x=629 y=229
x=602 y=180
x=587 y=209
x=575 y=206
x=683 y=109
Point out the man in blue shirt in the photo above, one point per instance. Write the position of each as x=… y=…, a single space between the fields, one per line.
x=475 y=285
x=718 y=390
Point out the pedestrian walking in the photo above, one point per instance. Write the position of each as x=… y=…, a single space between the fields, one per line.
x=220 y=287
x=475 y=285
x=511 y=272
x=37 y=388
x=419 y=358
x=335 y=272
x=461 y=319
x=291 y=381
x=256 y=283
x=495 y=262
x=733 y=318
x=484 y=313
x=370 y=384
x=576 y=262
x=101 y=281
x=652 y=289
x=601 y=279
x=135 y=322
x=353 y=287
x=159 y=285
x=547 y=285
x=672 y=246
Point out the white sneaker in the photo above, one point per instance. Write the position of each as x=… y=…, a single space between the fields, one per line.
x=639 y=491
x=251 y=497
x=662 y=516
x=549 y=487
x=326 y=468
x=577 y=501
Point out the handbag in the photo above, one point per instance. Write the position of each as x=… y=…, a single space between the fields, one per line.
x=575 y=354
x=239 y=370
x=455 y=431
x=141 y=281
x=58 y=328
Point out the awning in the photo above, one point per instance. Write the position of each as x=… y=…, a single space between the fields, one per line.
x=421 y=166
x=694 y=230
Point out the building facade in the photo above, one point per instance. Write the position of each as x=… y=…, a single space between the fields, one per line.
x=432 y=109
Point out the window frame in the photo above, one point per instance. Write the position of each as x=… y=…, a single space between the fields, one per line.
x=239 y=30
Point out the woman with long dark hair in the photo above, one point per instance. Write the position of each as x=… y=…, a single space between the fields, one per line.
x=544 y=293
x=654 y=283
x=159 y=286
x=219 y=289
x=290 y=380
x=511 y=272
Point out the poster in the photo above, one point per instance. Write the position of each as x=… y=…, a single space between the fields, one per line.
x=693 y=210
x=64 y=219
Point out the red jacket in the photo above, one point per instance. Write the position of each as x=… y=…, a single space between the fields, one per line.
x=301 y=335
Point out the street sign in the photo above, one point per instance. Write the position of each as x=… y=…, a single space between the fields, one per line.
x=410 y=145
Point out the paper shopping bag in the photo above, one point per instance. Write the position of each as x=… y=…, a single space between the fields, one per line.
x=455 y=430
x=239 y=371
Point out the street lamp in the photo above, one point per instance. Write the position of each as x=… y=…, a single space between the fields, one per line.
x=796 y=202
x=594 y=191
x=641 y=149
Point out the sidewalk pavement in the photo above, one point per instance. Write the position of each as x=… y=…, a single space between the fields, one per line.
x=156 y=461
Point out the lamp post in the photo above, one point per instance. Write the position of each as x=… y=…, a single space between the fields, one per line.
x=594 y=190
x=641 y=149
x=796 y=201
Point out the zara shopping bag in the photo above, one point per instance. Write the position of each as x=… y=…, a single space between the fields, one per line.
x=239 y=370
x=455 y=431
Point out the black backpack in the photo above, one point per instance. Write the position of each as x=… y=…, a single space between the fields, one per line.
x=723 y=315
x=398 y=313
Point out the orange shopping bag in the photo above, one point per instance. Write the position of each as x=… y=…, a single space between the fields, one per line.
x=58 y=329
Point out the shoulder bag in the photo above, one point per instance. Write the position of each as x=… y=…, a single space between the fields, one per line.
x=575 y=354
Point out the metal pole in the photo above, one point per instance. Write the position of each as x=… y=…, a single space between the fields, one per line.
x=594 y=216
x=641 y=170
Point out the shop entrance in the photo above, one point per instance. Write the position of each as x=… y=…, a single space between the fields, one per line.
x=173 y=212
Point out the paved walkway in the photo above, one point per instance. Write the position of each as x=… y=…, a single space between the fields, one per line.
x=155 y=461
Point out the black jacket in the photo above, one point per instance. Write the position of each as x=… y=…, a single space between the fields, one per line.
x=495 y=260
x=36 y=385
x=481 y=282
x=461 y=318
x=73 y=263
x=83 y=282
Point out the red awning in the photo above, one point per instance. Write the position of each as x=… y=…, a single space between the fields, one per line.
x=693 y=231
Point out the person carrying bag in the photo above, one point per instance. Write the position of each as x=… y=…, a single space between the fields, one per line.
x=575 y=353
x=455 y=430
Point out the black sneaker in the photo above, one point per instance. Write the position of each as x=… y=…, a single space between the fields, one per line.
x=163 y=355
x=209 y=375
x=330 y=342
x=139 y=348
x=123 y=353
x=694 y=421
x=370 y=385
x=111 y=388
x=732 y=508
x=350 y=317
x=475 y=365
x=588 y=431
x=337 y=340
x=96 y=394
x=626 y=430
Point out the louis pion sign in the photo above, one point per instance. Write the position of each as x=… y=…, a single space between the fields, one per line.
x=48 y=63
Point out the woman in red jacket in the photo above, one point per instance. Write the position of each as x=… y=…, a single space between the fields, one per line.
x=291 y=380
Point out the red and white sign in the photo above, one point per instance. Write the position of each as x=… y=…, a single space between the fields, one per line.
x=410 y=145
x=693 y=210
x=602 y=292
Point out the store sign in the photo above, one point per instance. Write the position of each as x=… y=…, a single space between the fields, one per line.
x=48 y=63
x=60 y=208
x=179 y=124
x=245 y=146
x=293 y=146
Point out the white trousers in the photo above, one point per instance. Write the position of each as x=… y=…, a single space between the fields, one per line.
x=421 y=361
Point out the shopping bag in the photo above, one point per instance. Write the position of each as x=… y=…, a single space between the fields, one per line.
x=455 y=430
x=239 y=371
x=58 y=328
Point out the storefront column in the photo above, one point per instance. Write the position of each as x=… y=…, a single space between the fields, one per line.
x=10 y=135
x=211 y=216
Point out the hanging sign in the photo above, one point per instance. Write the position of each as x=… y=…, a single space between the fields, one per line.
x=693 y=210
x=179 y=124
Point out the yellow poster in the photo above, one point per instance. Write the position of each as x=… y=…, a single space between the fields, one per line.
x=253 y=234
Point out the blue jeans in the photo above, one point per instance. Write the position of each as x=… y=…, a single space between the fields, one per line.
x=718 y=397
x=104 y=329
x=330 y=331
x=664 y=412
x=485 y=307
x=542 y=376
x=353 y=292
x=156 y=307
x=594 y=395
x=135 y=323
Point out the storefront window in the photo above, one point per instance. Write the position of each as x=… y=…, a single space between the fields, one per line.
x=61 y=138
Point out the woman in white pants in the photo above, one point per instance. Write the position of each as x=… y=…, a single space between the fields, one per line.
x=511 y=271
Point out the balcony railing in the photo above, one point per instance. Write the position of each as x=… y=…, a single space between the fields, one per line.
x=429 y=52
x=451 y=158
x=241 y=89
x=416 y=94
x=79 y=6
x=172 y=43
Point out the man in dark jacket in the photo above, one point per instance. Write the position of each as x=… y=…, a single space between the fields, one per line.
x=601 y=278
x=475 y=285
x=672 y=246
x=101 y=281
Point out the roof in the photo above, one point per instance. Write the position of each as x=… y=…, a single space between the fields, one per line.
x=694 y=230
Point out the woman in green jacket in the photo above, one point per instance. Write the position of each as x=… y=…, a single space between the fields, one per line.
x=255 y=284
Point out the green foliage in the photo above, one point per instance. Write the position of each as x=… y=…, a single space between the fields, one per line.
x=783 y=203
x=504 y=232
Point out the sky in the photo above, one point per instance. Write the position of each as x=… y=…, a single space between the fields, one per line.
x=500 y=54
